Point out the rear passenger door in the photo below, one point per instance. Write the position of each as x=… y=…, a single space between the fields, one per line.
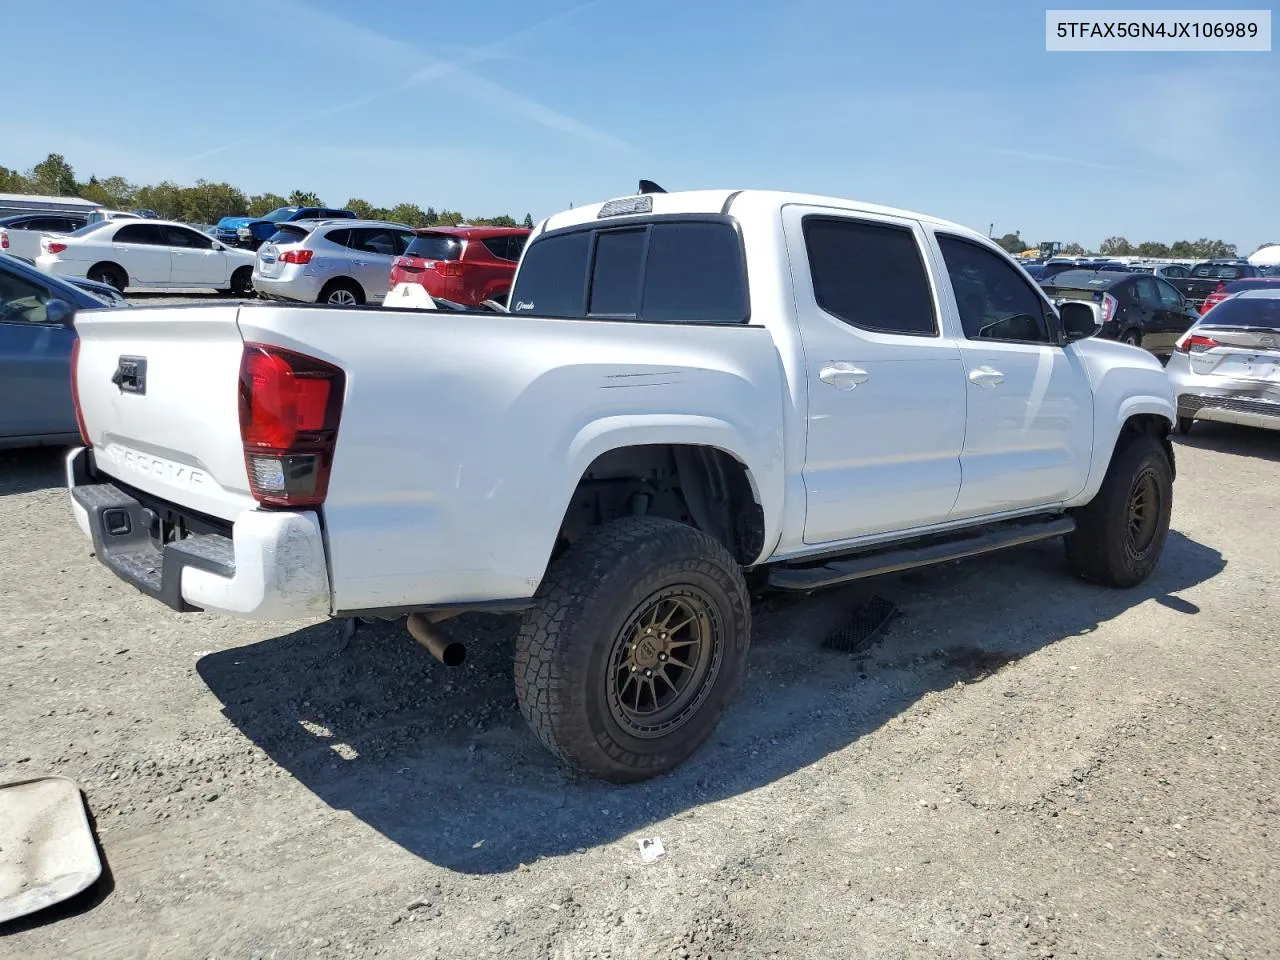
x=1028 y=437
x=143 y=250
x=1173 y=319
x=885 y=415
x=373 y=249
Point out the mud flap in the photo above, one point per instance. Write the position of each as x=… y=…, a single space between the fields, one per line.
x=47 y=850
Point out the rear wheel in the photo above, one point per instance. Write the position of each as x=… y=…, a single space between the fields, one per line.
x=341 y=293
x=634 y=649
x=1120 y=534
x=109 y=273
x=1133 y=338
x=242 y=282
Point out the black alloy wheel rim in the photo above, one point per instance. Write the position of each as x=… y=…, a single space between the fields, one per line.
x=664 y=661
x=1144 y=511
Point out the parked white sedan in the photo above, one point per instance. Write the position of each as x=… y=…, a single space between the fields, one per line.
x=147 y=253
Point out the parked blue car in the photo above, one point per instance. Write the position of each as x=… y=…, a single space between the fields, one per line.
x=36 y=337
x=253 y=232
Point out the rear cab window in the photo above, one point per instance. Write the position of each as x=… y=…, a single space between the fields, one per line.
x=678 y=269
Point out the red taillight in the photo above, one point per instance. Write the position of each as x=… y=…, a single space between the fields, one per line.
x=1212 y=301
x=1196 y=342
x=449 y=268
x=296 y=256
x=54 y=247
x=75 y=392
x=290 y=405
x=1109 y=305
x=4 y=239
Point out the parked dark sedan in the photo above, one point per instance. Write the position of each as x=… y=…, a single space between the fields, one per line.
x=1137 y=308
x=36 y=337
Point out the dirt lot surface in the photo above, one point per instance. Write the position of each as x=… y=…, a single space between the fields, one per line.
x=1024 y=766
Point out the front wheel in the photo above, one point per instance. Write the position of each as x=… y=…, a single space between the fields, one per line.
x=634 y=649
x=1133 y=338
x=1120 y=534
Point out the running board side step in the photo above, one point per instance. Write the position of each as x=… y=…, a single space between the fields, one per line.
x=891 y=560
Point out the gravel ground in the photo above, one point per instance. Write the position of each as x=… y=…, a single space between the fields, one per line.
x=1024 y=766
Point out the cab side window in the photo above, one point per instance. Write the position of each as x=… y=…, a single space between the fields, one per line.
x=994 y=301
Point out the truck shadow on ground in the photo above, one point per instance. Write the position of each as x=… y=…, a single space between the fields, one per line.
x=441 y=763
x=28 y=470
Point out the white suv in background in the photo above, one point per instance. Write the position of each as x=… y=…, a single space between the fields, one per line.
x=147 y=253
x=343 y=262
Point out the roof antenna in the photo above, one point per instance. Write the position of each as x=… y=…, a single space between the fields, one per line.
x=648 y=186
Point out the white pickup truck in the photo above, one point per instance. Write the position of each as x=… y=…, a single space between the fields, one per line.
x=692 y=392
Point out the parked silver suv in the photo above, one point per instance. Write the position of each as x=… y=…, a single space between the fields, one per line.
x=344 y=262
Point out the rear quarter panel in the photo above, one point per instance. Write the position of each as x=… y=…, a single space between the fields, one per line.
x=463 y=437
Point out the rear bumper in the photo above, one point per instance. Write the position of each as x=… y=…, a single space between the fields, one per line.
x=1246 y=411
x=292 y=284
x=272 y=567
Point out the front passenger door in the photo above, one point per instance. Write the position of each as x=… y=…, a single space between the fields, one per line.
x=35 y=363
x=1029 y=427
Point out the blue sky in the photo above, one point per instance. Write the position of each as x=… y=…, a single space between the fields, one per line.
x=954 y=109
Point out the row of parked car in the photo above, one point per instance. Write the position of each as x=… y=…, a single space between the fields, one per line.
x=330 y=256
x=306 y=254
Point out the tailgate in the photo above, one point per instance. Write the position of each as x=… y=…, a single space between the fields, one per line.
x=159 y=392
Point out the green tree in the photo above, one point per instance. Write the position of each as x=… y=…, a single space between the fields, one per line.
x=1073 y=250
x=528 y=221
x=305 y=198
x=432 y=217
x=1012 y=243
x=1116 y=247
x=210 y=202
x=362 y=209
x=116 y=192
x=1182 y=249
x=1152 y=248
x=409 y=213
x=449 y=218
x=263 y=203
x=53 y=176
x=1213 y=249
x=11 y=181
x=165 y=198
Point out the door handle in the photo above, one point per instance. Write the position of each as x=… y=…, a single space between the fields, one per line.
x=842 y=375
x=985 y=376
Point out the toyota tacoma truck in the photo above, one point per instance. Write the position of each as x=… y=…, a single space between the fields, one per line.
x=694 y=395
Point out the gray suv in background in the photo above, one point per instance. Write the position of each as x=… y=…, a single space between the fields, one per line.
x=343 y=262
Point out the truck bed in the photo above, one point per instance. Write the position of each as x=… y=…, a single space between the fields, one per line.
x=457 y=432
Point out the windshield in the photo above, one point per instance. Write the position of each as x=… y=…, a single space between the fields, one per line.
x=1246 y=312
x=280 y=214
x=435 y=246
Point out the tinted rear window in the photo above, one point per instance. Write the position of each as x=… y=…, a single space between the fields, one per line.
x=1246 y=312
x=89 y=228
x=1217 y=271
x=615 y=273
x=288 y=235
x=435 y=246
x=1083 y=280
x=552 y=281
x=687 y=271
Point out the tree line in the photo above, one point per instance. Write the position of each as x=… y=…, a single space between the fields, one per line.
x=207 y=202
x=1202 y=249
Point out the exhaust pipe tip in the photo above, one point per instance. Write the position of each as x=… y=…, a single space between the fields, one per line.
x=451 y=653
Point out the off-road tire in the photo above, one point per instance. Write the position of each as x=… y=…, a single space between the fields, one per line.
x=1105 y=548
x=565 y=673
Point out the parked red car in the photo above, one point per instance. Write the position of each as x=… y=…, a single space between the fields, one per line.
x=467 y=265
x=1229 y=287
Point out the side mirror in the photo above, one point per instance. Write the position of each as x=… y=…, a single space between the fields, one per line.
x=58 y=311
x=1079 y=320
